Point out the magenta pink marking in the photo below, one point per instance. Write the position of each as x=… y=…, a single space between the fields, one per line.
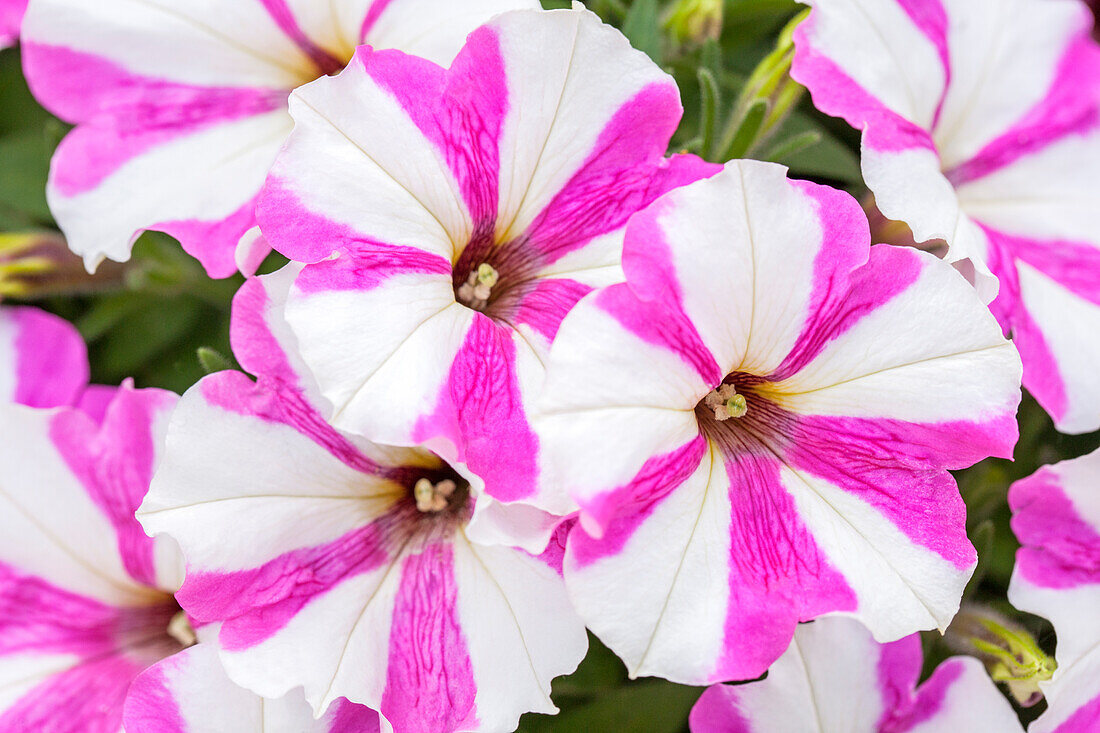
x=1084 y=718
x=429 y=679
x=899 y=468
x=351 y=718
x=304 y=236
x=658 y=324
x=622 y=174
x=480 y=410
x=718 y=710
x=373 y=14
x=930 y=17
x=121 y=115
x=1060 y=548
x=51 y=363
x=272 y=401
x=254 y=605
x=1073 y=265
x=11 y=20
x=777 y=574
x=930 y=698
x=254 y=344
x=114 y=462
x=151 y=706
x=621 y=511
x=95 y=400
x=1071 y=107
x=87 y=698
x=837 y=94
x=213 y=243
x=554 y=554
x=842 y=296
x=648 y=261
x=897 y=671
x=325 y=62
x=460 y=111
x=542 y=304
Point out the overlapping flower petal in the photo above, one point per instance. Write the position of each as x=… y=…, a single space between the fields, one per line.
x=43 y=362
x=487 y=221
x=981 y=127
x=863 y=374
x=180 y=109
x=1056 y=517
x=85 y=595
x=835 y=677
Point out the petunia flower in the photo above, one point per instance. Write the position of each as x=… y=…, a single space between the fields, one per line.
x=758 y=424
x=345 y=567
x=85 y=596
x=189 y=693
x=981 y=127
x=835 y=677
x=468 y=209
x=43 y=361
x=11 y=17
x=1056 y=517
x=180 y=108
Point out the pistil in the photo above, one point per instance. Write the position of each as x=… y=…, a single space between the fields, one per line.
x=478 y=288
x=726 y=403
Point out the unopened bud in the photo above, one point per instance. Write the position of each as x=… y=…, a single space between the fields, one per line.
x=695 y=21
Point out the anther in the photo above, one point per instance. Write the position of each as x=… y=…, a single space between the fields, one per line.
x=477 y=289
x=726 y=403
x=432 y=497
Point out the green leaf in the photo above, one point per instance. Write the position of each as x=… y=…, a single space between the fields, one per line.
x=646 y=706
x=829 y=158
x=747 y=130
x=708 y=118
x=642 y=26
x=793 y=146
x=26 y=164
x=18 y=109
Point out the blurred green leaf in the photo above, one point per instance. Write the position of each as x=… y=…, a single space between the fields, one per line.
x=646 y=706
x=18 y=109
x=25 y=161
x=643 y=27
x=211 y=360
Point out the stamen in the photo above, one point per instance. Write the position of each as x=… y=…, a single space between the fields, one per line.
x=433 y=497
x=180 y=629
x=726 y=403
x=477 y=289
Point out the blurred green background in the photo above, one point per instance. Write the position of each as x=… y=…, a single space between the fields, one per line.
x=160 y=320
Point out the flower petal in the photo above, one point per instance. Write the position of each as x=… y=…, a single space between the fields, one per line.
x=45 y=363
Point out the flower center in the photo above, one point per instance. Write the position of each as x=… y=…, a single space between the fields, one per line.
x=478 y=288
x=180 y=629
x=433 y=497
x=726 y=403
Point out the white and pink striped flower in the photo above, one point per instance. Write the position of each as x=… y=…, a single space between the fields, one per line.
x=836 y=677
x=345 y=567
x=11 y=18
x=189 y=693
x=981 y=127
x=85 y=595
x=468 y=210
x=1056 y=517
x=758 y=424
x=43 y=361
x=181 y=107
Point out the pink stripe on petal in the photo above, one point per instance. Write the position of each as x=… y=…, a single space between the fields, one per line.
x=114 y=462
x=541 y=304
x=123 y=115
x=898 y=670
x=480 y=409
x=429 y=678
x=1085 y=718
x=930 y=698
x=151 y=707
x=1071 y=106
x=283 y=16
x=38 y=617
x=624 y=173
x=1060 y=548
x=843 y=296
x=461 y=111
x=1073 y=265
x=271 y=402
x=11 y=20
x=373 y=14
x=777 y=574
x=892 y=465
x=658 y=324
x=255 y=346
x=622 y=510
x=51 y=361
x=85 y=699
x=351 y=718
x=256 y=604
x=718 y=710
x=214 y=243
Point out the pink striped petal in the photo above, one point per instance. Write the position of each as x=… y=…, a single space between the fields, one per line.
x=190 y=693
x=828 y=492
x=45 y=363
x=836 y=677
x=199 y=91
x=309 y=550
x=11 y=18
